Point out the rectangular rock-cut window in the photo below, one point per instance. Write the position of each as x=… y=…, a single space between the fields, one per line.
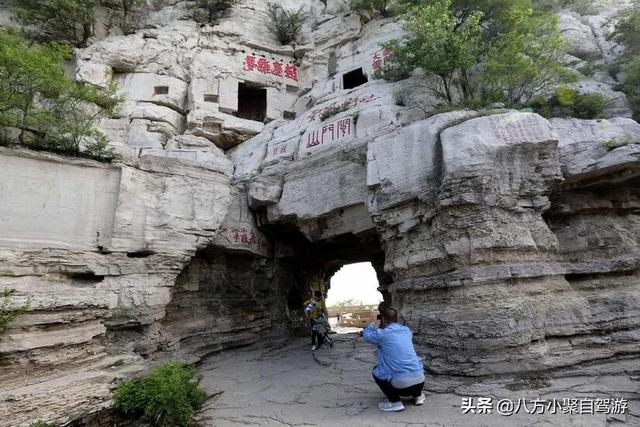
x=210 y=98
x=252 y=102
x=288 y=115
x=353 y=79
x=161 y=90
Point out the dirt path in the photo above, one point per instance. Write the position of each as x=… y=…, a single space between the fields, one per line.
x=282 y=385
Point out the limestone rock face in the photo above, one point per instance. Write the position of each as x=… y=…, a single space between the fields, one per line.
x=98 y=255
x=249 y=172
x=579 y=35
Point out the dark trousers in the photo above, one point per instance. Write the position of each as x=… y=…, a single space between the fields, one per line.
x=315 y=335
x=393 y=394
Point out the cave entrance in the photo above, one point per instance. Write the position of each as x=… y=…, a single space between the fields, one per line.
x=354 y=79
x=353 y=297
x=252 y=102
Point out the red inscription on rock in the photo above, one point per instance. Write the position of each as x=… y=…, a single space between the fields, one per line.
x=267 y=67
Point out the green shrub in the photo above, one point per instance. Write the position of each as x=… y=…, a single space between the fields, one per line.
x=614 y=143
x=333 y=110
x=568 y=102
x=8 y=314
x=286 y=25
x=590 y=106
x=127 y=14
x=214 y=9
x=168 y=396
x=401 y=96
x=372 y=7
x=392 y=72
x=70 y=21
x=565 y=96
x=587 y=69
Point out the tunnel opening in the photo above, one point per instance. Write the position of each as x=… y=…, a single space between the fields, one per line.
x=233 y=294
x=353 y=297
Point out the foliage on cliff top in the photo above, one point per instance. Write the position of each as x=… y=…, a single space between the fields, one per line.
x=567 y=102
x=73 y=21
x=285 y=24
x=214 y=9
x=69 y=21
x=368 y=8
x=482 y=51
x=41 y=108
x=168 y=396
x=626 y=31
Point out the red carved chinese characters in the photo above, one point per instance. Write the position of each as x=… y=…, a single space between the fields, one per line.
x=349 y=103
x=277 y=69
x=242 y=237
x=344 y=127
x=377 y=62
x=380 y=59
x=267 y=67
x=313 y=139
x=264 y=66
x=291 y=72
x=250 y=63
x=329 y=133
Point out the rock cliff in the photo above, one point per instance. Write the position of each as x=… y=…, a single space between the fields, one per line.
x=508 y=241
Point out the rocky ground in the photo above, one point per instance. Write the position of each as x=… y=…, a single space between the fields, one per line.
x=281 y=383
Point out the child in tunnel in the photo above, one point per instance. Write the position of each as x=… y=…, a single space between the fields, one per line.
x=321 y=329
x=314 y=310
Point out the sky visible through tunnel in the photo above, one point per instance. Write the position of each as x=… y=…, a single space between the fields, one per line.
x=356 y=282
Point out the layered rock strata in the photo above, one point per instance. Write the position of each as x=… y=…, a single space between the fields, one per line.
x=508 y=241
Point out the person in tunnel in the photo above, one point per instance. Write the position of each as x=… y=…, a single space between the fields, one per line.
x=314 y=308
x=321 y=329
x=399 y=371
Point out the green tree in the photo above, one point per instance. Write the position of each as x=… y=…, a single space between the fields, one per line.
x=526 y=61
x=41 y=108
x=484 y=50
x=27 y=72
x=626 y=31
x=78 y=110
x=493 y=13
x=69 y=21
x=631 y=85
x=438 y=45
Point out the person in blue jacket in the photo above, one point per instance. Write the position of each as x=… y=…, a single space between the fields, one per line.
x=399 y=371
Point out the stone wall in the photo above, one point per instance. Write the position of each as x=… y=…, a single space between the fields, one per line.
x=76 y=201
x=509 y=242
x=95 y=250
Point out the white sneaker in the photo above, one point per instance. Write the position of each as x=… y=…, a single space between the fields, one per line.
x=387 y=406
x=419 y=400
x=313 y=348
